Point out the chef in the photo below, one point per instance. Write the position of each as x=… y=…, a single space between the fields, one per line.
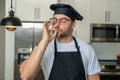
x=61 y=55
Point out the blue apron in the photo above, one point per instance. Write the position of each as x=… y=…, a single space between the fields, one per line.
x=67 y=65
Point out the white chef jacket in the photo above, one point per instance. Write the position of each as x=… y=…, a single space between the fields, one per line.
x=89 y=57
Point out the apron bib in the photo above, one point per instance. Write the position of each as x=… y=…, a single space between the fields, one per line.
x=67 y=65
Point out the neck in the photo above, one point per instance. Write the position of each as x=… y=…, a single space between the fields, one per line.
x=65 y=39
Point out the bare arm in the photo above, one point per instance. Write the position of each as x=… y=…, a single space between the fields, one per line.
x=94 y=77
x=31 y=66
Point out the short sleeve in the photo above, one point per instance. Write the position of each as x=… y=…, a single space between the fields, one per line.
x=93 y=64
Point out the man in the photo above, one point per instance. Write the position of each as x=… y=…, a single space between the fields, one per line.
x=61 y=56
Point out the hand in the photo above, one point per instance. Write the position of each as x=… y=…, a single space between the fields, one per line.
x=47 y=37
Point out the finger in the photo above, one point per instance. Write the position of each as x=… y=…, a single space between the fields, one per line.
x=52 y=29
x=45 y=26
x=47 y=23
x=54 y=35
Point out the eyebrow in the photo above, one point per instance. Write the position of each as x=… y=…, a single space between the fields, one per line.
x=61 y=18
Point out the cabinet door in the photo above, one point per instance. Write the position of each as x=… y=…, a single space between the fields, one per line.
x=98 y=11
x=26 y=9
x=114 y=13
x=34 y=10
x=44 y=10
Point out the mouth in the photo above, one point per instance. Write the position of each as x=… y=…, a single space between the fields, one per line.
x=59 y=30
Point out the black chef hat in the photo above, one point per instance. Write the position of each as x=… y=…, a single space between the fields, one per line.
x=66 y=10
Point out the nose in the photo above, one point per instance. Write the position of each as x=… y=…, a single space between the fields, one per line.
x=57 y=24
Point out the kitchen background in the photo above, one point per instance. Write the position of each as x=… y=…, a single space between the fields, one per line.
x=107 y=51
x=34 y=12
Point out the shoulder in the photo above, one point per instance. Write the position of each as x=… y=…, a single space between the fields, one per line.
x=89 y=57
x=86 y=50
x=84 y=45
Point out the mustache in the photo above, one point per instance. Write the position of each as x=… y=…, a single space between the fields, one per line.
x=58 y=29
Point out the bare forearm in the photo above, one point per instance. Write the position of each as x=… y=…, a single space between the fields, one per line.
x=94 y=77
x=31 y=66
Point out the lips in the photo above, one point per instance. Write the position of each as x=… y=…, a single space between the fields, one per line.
x=59 y=30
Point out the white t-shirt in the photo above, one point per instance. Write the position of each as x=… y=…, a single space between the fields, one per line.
x=89 y=58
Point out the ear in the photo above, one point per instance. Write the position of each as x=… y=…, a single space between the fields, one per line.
x=74 y=24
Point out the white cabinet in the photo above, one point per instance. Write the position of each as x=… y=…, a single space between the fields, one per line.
x=26 y=9
x=98 y=8
x=34 y=10
x=115 y=11
x=105 y=11
x=82 y=30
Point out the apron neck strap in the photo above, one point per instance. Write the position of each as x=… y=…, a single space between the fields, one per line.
x=55 y=46
x=76 y=45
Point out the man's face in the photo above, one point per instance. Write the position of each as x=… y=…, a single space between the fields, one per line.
x=63 y=25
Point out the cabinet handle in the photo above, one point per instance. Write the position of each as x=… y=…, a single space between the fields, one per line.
x=38 y=13
x=108 y=15
x=35 y=13
x=105 y=16
x=117 y=31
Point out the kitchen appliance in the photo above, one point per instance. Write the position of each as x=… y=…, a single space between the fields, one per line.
x=23 y=53
x=105 y=32
x=110 y=70
x=27 y=38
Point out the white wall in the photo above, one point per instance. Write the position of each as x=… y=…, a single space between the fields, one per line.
x=9 y=55
x=106 y=50
x=6 y=54
x=6 y=46
x=9 y=49
x=2 y=9
x=71 y=2
x=2 y=52
x=83 y=27
x=2 y=40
